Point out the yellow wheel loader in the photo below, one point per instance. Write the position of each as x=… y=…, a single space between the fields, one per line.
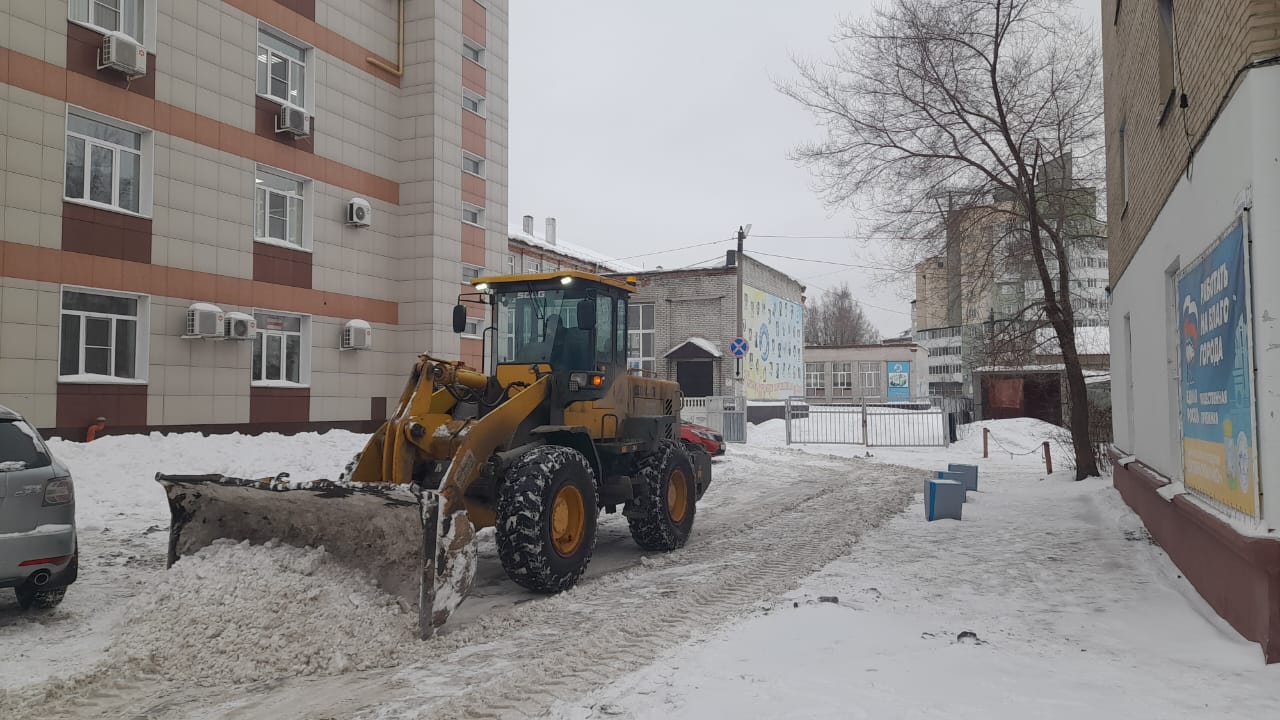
x=560 y=430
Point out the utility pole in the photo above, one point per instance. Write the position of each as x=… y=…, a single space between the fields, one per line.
x=740 y=381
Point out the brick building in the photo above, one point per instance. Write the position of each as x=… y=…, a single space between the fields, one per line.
x=682 y=322
x=214 y=163
x=1194 y=225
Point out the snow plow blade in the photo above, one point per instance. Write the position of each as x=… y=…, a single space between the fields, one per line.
x=392 y=532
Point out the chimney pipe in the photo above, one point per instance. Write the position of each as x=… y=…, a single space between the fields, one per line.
x=551 y=231
x=528 y=225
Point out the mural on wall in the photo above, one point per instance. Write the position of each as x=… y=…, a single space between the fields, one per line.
x=774 y=365
x=1216 y=354
x=899 y=386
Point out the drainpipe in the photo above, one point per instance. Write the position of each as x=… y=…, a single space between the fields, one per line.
x=94 y=429
x=398 y=70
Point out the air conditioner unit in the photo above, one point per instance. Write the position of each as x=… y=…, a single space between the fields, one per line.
x=357 y=335
x=204 y=321
x=359 y=213
x=240 y=326
x=123 y=53
x=293 y=120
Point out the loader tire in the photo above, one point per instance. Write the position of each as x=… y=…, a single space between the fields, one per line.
x=547 y=514
x=662 y=517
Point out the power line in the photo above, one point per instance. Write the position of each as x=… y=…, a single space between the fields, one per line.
x=825 y=262
x=679 y=249
x=862 y=302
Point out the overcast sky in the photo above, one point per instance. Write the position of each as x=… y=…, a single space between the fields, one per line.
x=647 y=126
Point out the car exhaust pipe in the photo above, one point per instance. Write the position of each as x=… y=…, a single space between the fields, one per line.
x=40 y=578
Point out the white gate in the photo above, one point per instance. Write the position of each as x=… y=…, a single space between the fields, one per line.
x=852 y=423
x=726 y=415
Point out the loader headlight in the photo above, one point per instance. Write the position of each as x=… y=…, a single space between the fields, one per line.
x=482 y=287
x=580 y=380
x=566 y=280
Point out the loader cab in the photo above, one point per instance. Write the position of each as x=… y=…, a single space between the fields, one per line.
x=569 y=323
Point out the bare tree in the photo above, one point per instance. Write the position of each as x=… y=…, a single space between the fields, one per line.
x=934 y=108
x=838 y=319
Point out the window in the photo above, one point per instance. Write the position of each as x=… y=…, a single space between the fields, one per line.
x=124 y=16
x=870 y=376
x=842 y=379
x=472 y=214
x=281 y=349
x=473 y=164
x=511 y=264
x=473 y=51
x=814 y=379
x=640 y=331
x=470 y=272
x=1007 y=310
x=604 y=329
x=282 y=68
x=472 y=328
x=532 y=266
x=473 y=102
x=107 y=164
x=278 y=207
x=1007 y=289
x=102 y=336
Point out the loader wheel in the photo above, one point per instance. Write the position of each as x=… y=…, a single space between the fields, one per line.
x=547 y=519
x=663 y=517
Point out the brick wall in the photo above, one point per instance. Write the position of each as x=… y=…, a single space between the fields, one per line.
x=698 y=303
x=1216 y=39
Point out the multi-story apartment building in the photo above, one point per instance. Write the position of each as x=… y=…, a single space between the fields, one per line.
x=1194 y=221
x=318 y=167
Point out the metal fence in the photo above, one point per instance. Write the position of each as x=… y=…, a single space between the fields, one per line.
x=726 y=415
x=914 y=424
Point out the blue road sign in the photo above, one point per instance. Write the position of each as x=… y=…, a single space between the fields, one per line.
x=738 y=347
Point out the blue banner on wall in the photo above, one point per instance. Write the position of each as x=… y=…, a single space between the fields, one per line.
x=1216 y=354
x=899 y=385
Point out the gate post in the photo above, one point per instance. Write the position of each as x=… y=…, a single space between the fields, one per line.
x=787 y=414
x=866 y=438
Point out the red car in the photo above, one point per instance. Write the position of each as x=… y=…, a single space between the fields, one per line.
x=703 y=437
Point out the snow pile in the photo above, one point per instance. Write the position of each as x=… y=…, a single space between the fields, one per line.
x=239 y=613
x=115 y=475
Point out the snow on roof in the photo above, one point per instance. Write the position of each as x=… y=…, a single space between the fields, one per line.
x=577 y=252
x=1089 y=341
x=703 y=343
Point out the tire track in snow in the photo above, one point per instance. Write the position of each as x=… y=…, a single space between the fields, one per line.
x=520 y=661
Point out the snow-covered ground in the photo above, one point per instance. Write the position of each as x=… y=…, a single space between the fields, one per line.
x=1048 y=600
x=1073 y=611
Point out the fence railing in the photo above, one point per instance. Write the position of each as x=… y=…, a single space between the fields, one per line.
x=913 y=424
x=726 y=415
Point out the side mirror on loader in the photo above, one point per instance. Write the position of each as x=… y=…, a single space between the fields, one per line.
x=587 y=313
x=459 y=318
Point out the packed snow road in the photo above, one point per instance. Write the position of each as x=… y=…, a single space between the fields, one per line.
x=281 y=633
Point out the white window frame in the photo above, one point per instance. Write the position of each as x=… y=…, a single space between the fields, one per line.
x=814 y=379
x=870 y=372
x=472 y=328
x=146 y=153
x=473 y=51
x=511 y=264
x=479 y=163
x=85 y=14
x=636 y=359
x=141 y=344
x=304 y=203
x=473 y=102
x=842 y=379
x=532 y=266
x=474 y=271
x=477 y=210
x=304 y=350
x=308 y=76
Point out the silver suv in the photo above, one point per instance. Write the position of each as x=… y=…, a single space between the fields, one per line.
x=38 y=549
